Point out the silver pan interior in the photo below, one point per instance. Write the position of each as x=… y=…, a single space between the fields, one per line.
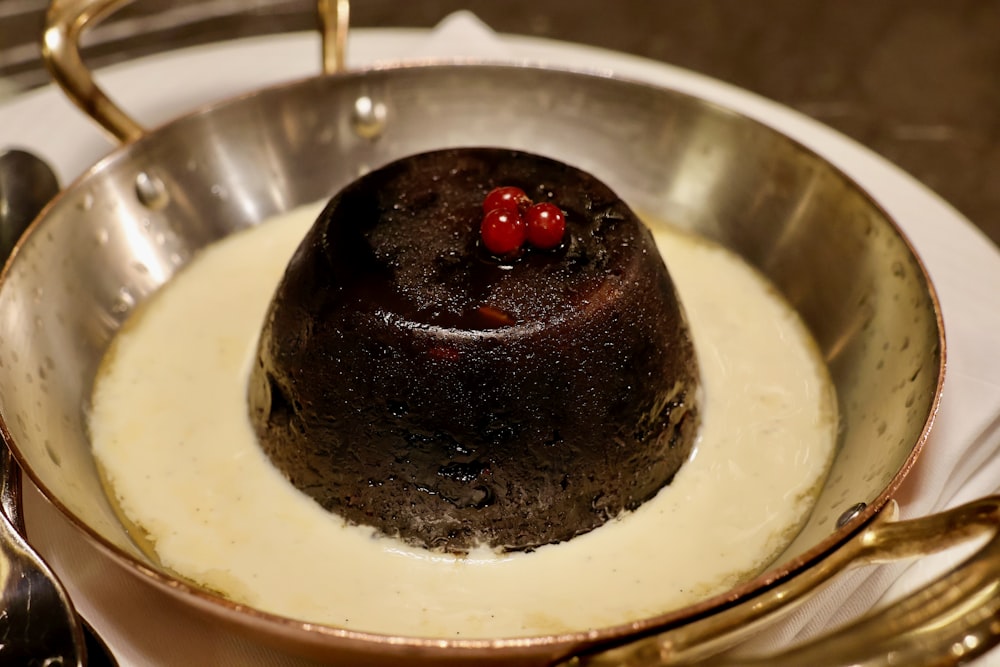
x=108 y=243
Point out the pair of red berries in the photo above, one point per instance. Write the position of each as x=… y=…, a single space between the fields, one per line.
x=511 y=219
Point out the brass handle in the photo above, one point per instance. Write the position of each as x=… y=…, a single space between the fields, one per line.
x=334 y=20
x=950 y=621
x=66 y=21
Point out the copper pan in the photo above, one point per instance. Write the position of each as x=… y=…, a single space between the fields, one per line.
x=135 y=218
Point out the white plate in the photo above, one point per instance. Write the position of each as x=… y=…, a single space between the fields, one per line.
x=964 y=265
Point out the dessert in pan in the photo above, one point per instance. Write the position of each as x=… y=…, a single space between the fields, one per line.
x=475 y=376
x=786 y=222
x=435 y=374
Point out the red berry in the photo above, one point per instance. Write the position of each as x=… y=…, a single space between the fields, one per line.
x=507 y=198
x=546 y=225
x=503 y=232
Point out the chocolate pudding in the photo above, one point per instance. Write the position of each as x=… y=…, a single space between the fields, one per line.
x=410 y=379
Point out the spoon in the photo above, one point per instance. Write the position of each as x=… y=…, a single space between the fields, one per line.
x=27 y=184
x=38 y=623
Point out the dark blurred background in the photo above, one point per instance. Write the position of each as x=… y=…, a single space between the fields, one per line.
x=916 y=80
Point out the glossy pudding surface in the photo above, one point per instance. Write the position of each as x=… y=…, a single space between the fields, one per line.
x=410 y=379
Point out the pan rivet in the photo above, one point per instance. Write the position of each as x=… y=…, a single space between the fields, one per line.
x=368 y=117
x=850 y=514
x=151 y=192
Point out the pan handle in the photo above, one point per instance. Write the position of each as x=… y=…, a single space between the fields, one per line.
x=952 y=620
x=66 y=21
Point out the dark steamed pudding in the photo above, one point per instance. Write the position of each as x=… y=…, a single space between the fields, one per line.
x=409 y=379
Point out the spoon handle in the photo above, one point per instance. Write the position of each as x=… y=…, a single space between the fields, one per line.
x=10 y=490
x=39 y=624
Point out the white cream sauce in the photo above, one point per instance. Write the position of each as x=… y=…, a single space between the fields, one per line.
x=170 y=429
